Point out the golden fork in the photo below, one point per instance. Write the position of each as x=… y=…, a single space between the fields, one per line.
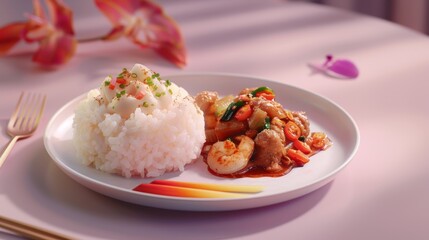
x=24 y=120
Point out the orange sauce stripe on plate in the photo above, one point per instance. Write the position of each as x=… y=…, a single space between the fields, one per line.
x=184 y=192
x=212 y=186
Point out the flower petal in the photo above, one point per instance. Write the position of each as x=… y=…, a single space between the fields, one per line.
x=56 y=49
x=174 y=53
x=344 y=68
x=61 y=16
x=35 y=32
x=115 y=33
x=115 y=11
x=38 y=10
x=146 y=24
x=10 y=35
x=170 y=42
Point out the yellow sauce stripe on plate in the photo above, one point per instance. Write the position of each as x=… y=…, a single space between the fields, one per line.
x=212 y=186
x=184 y=192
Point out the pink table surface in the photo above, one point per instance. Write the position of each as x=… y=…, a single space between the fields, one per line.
x=382 y=194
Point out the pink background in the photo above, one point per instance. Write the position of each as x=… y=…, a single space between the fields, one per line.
x=382 y=194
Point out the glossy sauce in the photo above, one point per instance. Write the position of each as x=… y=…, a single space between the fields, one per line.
x=253 y=171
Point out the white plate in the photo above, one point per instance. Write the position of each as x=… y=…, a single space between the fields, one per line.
x=324 y=116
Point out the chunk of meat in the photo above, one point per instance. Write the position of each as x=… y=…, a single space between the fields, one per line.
x=205 y=100
x=269 y=150
x=246 y=91
x=224 y=130
x=274 y=109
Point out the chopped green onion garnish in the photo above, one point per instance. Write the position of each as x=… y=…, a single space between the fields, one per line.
x=156 y=75
x=261 y=89
x=159 y=94
x=149 y=81
x=267 y=124
x=106 y=83
x=231 y=110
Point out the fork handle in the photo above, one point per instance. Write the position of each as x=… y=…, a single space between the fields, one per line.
x=8 y=149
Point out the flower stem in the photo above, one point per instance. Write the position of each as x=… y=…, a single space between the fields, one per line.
x=329 y=58
x=85 y=40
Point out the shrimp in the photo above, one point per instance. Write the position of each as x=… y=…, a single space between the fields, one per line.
x=225 y=157
x=302 y=121
x=278 y=126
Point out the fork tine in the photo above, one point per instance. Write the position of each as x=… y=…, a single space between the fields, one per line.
x=24 y=120
x=13 y=118
x=28 y=111
x=27 y=125
x=37 y=112
x=22 y=114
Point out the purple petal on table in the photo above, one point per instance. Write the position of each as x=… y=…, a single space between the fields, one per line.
x=344 y=68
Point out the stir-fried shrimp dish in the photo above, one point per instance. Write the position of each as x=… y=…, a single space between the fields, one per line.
x=252 y=135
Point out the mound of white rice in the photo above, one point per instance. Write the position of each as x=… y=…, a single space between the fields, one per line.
x=157 y=133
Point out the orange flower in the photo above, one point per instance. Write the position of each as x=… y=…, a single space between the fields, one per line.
x=146 y=24
x=55 y=37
